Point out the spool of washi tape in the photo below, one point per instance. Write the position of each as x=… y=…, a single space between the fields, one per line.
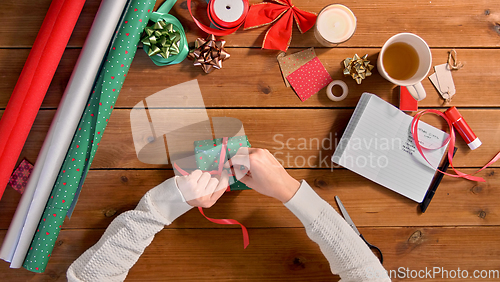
x=335 y=24
x=329 y=92
x=226 y=15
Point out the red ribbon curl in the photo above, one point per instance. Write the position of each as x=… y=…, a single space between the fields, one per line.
x=281 y=13
x=451 y=146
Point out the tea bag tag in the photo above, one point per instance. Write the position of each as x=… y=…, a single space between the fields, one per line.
x=443 y=81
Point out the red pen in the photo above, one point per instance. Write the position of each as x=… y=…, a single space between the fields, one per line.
x=463 y=128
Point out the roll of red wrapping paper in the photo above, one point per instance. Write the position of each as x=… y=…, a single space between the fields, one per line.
x=90 y=130
x=227 y=20
x=34 y=80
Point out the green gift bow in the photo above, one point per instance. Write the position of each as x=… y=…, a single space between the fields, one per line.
x=89 y=133
x=160 y=40
x=207 y=153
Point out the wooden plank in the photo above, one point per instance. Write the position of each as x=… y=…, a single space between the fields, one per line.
x=271 y=129
x=262 y=84
x=459 y=230
x=465 y=23
x=259 y=73
x=458 y=202
x=12 y=62
x=279 y=254
x=20 y=22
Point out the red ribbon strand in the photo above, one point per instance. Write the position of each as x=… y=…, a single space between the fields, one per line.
x=246 y=239
x=282 y=13
x=451 y=146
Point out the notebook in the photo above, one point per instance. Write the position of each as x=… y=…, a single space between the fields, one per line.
x=378 y=145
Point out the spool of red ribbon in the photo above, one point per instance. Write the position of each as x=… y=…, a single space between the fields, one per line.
x=226 y=15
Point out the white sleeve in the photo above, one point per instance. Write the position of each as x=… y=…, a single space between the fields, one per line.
x=347 y=253
x=128 y=235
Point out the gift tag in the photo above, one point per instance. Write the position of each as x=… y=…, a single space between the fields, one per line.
x=435 y=82
x=443 y=81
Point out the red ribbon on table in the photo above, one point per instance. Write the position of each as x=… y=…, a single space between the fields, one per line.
x=34 y=81
x=223 y=28
x=281 y=13
x=451 y=146
x=246 y=239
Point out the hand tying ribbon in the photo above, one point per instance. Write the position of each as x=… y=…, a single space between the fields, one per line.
x=281 y=13
x=165 y=41
x=221 y=161
x=220 y=167
x=451 y=146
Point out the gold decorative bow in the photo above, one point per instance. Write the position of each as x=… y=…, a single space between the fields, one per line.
x=209 y=53
x=162 y=39
x=358 y=68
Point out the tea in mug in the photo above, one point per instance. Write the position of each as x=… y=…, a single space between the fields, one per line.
x=400 y=61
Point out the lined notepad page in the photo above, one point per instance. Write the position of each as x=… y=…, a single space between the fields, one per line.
x=378 y=145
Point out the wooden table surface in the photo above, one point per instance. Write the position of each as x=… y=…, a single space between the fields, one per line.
x=459 y=230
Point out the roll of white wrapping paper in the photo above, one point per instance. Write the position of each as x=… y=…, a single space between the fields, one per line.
x=335 y=24
x=53 y=151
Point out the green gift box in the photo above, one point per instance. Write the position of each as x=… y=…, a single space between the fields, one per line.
x=208 y=152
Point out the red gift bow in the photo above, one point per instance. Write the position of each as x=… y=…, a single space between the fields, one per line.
x=246 y=239
x=281 y=13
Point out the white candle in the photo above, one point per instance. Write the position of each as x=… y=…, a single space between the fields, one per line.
x=335 y=24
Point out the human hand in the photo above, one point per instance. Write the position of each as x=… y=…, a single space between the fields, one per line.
x=200 y=189
x=263 y=173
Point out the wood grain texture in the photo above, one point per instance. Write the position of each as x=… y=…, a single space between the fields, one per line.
x=26 y=17
x=107 y=193
x=281 y=130
x=445 y=23
x=278 y=254
x=459 y=230
x=262 y=84
x=305 y=140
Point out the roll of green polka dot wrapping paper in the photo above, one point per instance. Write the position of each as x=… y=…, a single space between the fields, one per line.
x=89 y=133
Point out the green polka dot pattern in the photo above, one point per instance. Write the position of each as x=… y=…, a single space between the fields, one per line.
x=207 y=154
x=89 y=133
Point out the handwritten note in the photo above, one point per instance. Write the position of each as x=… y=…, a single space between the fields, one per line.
x=378 y=145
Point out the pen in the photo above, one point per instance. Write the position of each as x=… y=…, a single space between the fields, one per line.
x=432 y=189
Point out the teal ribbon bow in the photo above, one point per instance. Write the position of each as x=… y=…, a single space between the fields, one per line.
x=165 y=42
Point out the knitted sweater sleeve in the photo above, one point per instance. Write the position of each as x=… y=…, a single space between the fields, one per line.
x=346 y=252
x=128 y=235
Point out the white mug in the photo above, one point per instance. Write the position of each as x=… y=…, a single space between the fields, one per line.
x=413 y=84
